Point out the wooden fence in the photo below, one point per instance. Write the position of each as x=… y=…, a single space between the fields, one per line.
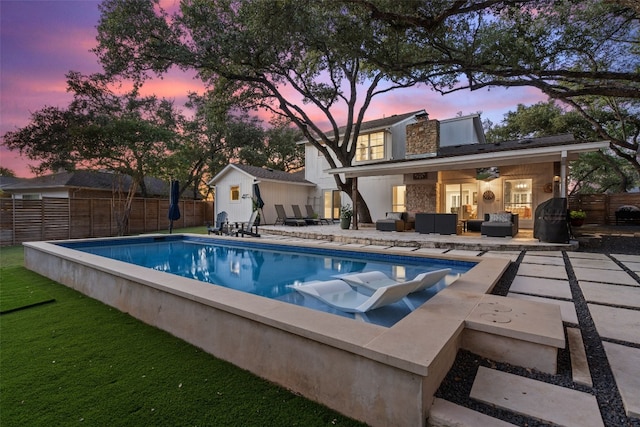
x=58 y=218
x=601 y=208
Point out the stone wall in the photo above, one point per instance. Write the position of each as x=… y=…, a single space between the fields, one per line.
x=423 y=137
x=422 y=197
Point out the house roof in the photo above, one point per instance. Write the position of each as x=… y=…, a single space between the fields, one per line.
x=376 y=124
x=86 y=179
x=10 y=180
x=524 y=151
x=263 y=174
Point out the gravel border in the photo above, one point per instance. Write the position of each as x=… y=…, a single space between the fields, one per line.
x=456 y=387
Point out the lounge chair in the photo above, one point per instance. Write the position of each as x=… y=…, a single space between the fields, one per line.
x=312 y=214
x=221 y=225
x=286 y=220
x=248 y=227
x=298 y=214
x=338 y=294
x=375 y=280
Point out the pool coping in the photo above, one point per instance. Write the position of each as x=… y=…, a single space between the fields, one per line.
x=414 y=355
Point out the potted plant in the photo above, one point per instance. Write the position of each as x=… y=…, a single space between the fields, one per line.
x=346 y=213
x=577 y=217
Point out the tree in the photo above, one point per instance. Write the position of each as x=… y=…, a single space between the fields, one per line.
x=303 y=60
x=6 y=172
x=597 y=172
x=127 y=134
x=585 y=54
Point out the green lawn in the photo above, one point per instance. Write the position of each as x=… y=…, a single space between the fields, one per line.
x=76 y=361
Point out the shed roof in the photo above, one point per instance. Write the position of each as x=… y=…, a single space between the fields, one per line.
x=263 y=174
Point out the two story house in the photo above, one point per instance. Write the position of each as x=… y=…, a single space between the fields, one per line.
x=408 y=162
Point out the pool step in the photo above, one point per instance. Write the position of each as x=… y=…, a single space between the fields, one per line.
x=516 y=331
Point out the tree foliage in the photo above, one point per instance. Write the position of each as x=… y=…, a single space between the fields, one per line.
x=306 y=60
x=597 y=172
x=585 y=54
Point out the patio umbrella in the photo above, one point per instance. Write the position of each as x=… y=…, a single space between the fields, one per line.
x=256 y=192
x=174 y=209
x=258 y=200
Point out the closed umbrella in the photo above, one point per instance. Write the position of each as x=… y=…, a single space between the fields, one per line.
x=256 y=192
x=174 y=208
x=259 y=201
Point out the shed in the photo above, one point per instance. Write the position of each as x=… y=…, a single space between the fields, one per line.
x=235 y=192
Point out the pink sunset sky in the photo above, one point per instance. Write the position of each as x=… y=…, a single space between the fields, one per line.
x=42 y=40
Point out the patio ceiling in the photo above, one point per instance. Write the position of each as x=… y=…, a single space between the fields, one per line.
x=470 y=161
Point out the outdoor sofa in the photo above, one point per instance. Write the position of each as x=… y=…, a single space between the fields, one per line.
x=500 y=225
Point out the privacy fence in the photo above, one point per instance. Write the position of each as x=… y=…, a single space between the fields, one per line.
x=601 y=208
x=57 y=218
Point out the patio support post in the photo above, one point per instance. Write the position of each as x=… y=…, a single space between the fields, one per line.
x=563 y=174
x=354 y=199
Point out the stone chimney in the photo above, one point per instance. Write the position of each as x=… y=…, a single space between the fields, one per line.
x=423 y=138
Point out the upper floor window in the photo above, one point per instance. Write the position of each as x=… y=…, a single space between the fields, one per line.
x=235 y=193
x=370 y=147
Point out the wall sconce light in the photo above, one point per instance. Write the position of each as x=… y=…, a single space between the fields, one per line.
x=556 y=178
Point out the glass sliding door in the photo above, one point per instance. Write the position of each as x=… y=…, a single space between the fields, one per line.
x=518 y=197
x=462 y=199
x=399 y=202
x=332 y=203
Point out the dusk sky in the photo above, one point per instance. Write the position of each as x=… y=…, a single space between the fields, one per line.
x=40 y=41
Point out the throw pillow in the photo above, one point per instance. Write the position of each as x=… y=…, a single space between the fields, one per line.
x=393 y=215
x=500 y=217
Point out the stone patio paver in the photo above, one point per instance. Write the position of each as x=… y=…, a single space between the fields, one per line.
x=510 y=255
x=445 y=413
x=545 y=402
x=606 y=293
x=540 y=259
x=463 y=252
x=600 y=264
x=633 y=266
x=626 y=258
x=430 y=251
x=625 y=364
x=616 y=323
x=567 y=308
x=545 y=253
x=541 y=286
x=604 y=276
x=587 y=255
x=579 y=364
x=548 y=271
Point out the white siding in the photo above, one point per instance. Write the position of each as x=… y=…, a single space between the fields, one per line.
x=237 y=210
x=378 y=193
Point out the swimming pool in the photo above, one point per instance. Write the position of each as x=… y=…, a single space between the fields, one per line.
x=272 y=271
x=379 y=375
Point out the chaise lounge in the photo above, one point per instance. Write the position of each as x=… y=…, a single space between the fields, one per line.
x=374 y=280
x=500 y=225
x=340 y=295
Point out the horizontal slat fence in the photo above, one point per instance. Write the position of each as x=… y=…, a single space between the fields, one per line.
x=59 y=218
x=601 y=208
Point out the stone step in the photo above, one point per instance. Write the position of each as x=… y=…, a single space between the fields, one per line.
x=536 y=399
x=625 y=365
x=579 y=364
x=447 y=414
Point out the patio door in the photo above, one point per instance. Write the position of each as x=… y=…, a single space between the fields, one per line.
x=461 y=199
x=332 y=203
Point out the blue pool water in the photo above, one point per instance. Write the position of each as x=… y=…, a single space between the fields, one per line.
x=270 y=270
